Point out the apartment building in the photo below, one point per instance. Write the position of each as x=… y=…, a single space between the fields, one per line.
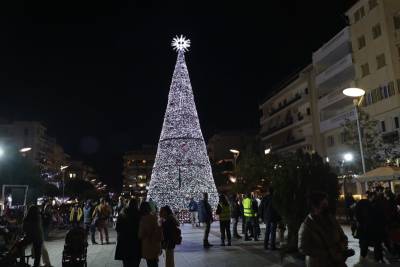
x=45 y=152
x=334 y=71
x=286 y=122
x=375 y=34
x=138 y=165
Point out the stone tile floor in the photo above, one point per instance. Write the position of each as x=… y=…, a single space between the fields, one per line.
x=192 y=254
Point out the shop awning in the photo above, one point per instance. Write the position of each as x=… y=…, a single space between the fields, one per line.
x=387 y=173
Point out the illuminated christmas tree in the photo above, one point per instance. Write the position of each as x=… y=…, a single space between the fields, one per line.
x=182 y=169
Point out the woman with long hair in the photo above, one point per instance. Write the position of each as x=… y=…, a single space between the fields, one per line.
x=150 y=234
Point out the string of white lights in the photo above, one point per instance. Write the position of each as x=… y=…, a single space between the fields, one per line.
x=182 y=169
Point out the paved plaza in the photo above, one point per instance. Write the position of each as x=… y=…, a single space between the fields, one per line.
x=192 y=254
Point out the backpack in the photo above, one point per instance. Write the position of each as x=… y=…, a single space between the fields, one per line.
x=177 y=236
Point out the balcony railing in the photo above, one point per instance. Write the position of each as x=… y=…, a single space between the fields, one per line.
x=282 y=125
x=391 y=137
x=289 y=121
x=288 y=103
x=290 y=143
x=341 y=65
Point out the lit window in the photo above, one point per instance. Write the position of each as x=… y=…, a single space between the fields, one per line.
x=380 y=61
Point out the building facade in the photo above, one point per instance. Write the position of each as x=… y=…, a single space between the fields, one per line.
x=365 y=54
x=44 y=150
x=286 y=122
x=138 y=165
x=334 y=71
x=375 y=34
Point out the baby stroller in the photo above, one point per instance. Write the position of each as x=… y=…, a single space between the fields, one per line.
x=75 y=248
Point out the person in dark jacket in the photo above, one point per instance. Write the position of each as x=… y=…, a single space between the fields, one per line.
x=270 y=217
x=205 y=216
x=33 y=230
x=235 y=215
x=89 y=222
x=169 y=226
x=128 y=243
x=371 y=226
x=224 y=213
x=47 y=214
x=193 y=209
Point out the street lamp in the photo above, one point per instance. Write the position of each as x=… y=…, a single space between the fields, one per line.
x=62 y=168
x=357 y=94
x=1 y=152
x=235 y=155
x=267 y=151
x=348 y=157
x=25 y=149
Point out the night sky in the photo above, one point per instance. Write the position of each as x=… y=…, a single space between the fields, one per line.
x=98 y=74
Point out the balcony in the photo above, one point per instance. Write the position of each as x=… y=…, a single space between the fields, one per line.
x=337 y=121
x=338 y=45
x=344 y=65
x=296 y=98
x=290 y=143
x=290 y=121
x=391 y=137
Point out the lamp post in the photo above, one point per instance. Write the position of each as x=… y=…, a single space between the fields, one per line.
x=62 y=168
x=348 y=157
x=357 y=94
x=236 y=154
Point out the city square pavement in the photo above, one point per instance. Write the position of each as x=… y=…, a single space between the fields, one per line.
x=191 y=252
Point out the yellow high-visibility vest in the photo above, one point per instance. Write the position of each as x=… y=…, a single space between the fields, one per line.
x=247 y=207
x=225 y=214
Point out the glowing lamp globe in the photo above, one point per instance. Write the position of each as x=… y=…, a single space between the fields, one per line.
x=348 y=157
x=354 y=92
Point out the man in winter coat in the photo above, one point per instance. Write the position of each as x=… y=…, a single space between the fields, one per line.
x=370 y=225
x=321 y=238
x=249 y=218
x=205 y=216
x=270 y=217
x=235 y=215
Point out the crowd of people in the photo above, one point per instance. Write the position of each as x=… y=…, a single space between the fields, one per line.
x=249 y=209
x=146 y=232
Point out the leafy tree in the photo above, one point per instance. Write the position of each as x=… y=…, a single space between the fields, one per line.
x=294 y=176
x=252 y=170
x=78 y=188
x=51 y=190
x=376 y=151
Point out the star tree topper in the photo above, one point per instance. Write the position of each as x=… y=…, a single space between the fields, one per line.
x=181 y=43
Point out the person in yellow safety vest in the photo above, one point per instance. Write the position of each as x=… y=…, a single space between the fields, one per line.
x=75 y=216
x=224 y=214
x=249 y=217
